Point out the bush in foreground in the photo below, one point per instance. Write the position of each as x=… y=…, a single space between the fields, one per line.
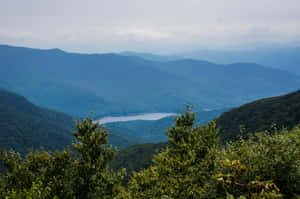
x=194 y=165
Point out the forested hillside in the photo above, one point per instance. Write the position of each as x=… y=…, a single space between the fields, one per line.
x=194 y=165
x=141 y=131
x=269 y=114
x=136 y=157
x=24 y=126
x=266 y=114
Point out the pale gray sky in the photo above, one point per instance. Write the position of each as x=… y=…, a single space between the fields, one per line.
x=148 y=25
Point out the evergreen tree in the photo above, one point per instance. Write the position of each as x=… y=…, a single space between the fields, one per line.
x=181 y=170
x=92 y=177
x=81 y=174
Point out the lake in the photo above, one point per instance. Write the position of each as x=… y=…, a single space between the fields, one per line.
x=144 y=116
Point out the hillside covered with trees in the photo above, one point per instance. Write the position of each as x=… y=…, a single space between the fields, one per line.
x=152 y=131
x=269 y=114
x=25 y=126
x=266 y=114
x=194 y=165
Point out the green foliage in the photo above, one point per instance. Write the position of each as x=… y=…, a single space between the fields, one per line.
x=136 y=157
x=234 y=186
x=269 y=114
x=141 y=131
x=193 y=165
x=181 y=170
x=272 y=157
x=24 y=125
x=40 y=171
x=265 y=166
x=81 y=173
x=36 y=191
x=92 y=177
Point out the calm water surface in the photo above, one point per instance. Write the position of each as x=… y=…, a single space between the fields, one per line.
x=145 y=116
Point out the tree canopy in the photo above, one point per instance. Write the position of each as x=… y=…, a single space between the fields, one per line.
x=193 y=165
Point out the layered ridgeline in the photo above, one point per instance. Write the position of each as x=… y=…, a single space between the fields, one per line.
x=269 y=114
x=114 y=84
x=283 y=58
x=25 y=126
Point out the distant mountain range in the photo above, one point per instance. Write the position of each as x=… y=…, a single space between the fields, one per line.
x=111 y=84
x=152 y=57
x=283 y=58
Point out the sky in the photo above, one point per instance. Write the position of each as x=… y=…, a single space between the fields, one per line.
x=158 y=26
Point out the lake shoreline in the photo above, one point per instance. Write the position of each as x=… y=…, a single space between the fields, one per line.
x=144 y=116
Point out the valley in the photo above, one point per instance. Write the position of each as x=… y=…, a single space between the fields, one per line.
x=160 y=106
x=113 y=84
x=139 y=99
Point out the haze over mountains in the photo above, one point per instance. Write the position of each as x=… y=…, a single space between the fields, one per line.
x=283 y=58
x=155 y=99
x=114 y=84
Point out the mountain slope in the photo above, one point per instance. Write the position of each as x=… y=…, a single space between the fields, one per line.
x=136 y=157
x=227 y=83
x=114 y=78
x=139 y=156
x=261 y=115
x=25 y=126
x=112 y=83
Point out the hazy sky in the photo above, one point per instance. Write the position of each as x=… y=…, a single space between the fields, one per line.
x=148 y=25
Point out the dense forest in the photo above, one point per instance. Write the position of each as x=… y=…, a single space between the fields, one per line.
x=269 y=114
x=266 y=114
x=194 y=165
x=159 y=99
x=259 y=159
x=136 y=157
x=25 y=126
